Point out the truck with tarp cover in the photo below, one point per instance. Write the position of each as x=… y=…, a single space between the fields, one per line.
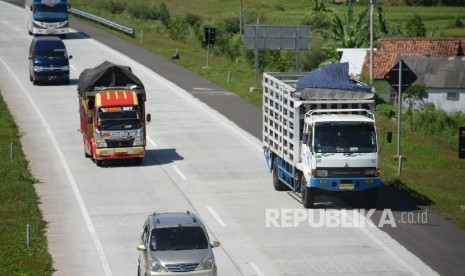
x=319 y=134
x=112 y=113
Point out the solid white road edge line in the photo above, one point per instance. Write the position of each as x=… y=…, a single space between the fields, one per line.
x=69 y=175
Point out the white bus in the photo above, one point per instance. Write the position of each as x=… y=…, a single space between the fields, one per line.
x=47 y=17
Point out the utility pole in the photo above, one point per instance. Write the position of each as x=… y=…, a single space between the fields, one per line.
x=240 y=21
x=371 y=41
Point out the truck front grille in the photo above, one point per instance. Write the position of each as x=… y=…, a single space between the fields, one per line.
x=119 y=144
x=346 y=172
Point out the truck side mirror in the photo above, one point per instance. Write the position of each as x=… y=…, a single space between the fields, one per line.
x=389 y=136
x=89 y=119
x=149 y=118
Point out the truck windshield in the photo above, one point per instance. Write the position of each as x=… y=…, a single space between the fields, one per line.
x=59 y=7
x=178 y=238
x=345 y=138
x=118 y=118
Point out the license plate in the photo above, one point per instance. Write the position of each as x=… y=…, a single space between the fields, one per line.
x=121 y=151
x=346 y=186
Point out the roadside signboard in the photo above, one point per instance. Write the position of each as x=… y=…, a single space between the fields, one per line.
x=462 y=143
x=406 y=75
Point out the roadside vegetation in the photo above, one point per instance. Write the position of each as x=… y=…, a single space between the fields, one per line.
x=19 y=208
x=432 y=172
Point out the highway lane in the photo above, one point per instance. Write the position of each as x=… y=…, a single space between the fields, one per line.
x=197 y=160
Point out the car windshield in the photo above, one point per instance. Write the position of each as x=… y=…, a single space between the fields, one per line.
x=118 y=118
x=345 y=137
x=178 y=238
x=51 y=53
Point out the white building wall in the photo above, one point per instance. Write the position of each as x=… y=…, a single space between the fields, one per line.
x=439 y=98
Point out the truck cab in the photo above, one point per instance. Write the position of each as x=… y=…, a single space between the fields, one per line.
x=340 y=153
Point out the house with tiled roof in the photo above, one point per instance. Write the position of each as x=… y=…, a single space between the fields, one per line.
x=389 y=50
x=439 y=64
x=444 y=79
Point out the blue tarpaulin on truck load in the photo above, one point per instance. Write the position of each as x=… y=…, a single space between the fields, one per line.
x=331 y=82
x=333 y=76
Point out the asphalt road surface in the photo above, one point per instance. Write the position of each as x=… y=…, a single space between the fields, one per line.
x=204 y=155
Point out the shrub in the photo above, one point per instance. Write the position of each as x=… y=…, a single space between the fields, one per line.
x=457 y=23
x=115 y=6
x=164 y=14
x=192 y=20
x=386 y=110
x=439 y=124
x=178 y=29
x=143 y=10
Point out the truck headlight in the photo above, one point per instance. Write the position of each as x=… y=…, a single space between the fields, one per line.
x=371 y=171
x=321 y=173
x=207 y=264
x=100 y=143
x=138 y=141
x=157 y=267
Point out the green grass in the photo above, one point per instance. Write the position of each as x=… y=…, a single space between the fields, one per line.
x=18 y=208
x=431 y=169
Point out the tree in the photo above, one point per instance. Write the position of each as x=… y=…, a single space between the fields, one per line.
x=351 y=32
x=415 y=27
x=413 y=95
x=320 y=6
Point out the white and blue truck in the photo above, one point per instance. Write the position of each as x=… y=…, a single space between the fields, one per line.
x=319 y=134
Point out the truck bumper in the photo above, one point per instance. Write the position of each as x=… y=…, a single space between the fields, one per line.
x=119 y=153
x=345 y=184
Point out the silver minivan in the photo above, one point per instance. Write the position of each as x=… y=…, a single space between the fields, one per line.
x=175 y=243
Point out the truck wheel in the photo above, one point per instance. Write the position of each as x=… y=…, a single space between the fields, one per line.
x=370 y=198
x=278 y=184
x=99 y=163
x=308 y=199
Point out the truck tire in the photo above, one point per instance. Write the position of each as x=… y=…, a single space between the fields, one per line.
x=99 y=163
x=278 y=184
x=308 y=199
x=86 y=155
x=370 y=198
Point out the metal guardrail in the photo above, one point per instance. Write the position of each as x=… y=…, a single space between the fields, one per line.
x=103 y=21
